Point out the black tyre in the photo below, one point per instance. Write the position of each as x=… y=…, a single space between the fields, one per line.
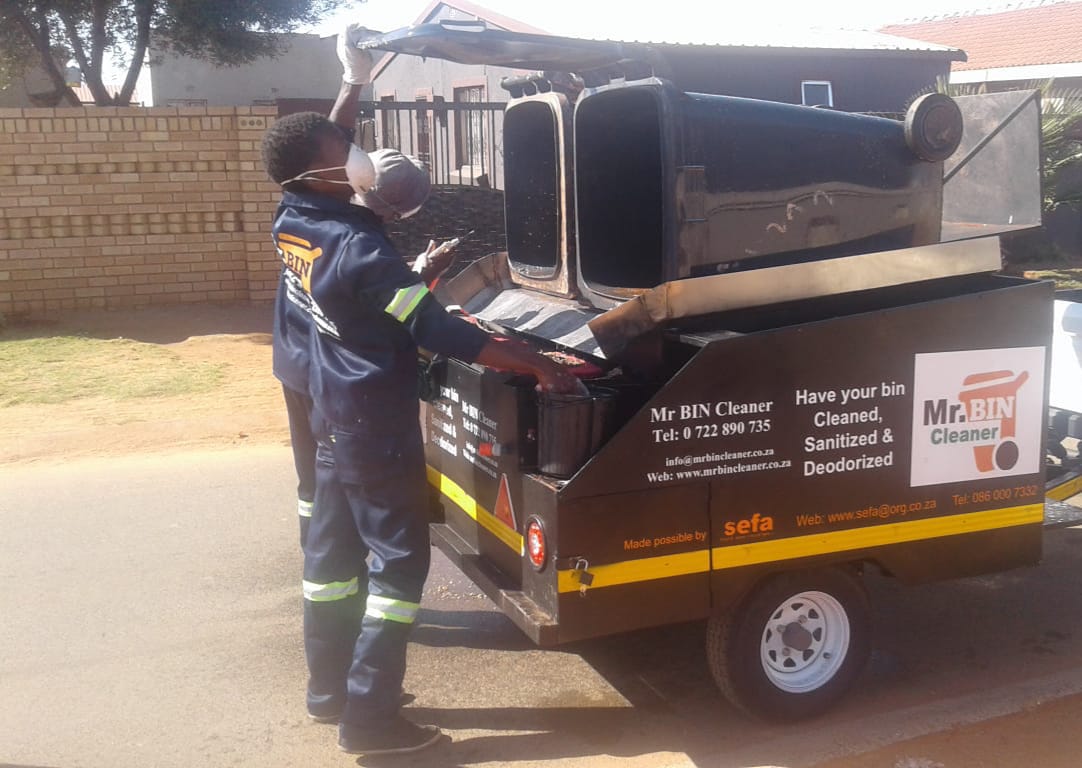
x=794 y=645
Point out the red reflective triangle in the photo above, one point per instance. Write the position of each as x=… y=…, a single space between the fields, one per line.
x=504 y=511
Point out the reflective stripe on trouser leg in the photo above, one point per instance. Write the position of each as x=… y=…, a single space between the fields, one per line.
x=304 y=516
x=389 y=609
x=325 y=593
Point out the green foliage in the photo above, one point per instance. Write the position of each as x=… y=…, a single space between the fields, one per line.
x=1061 y=131
x=225 y=32
x=15 y=50
x=221 y=32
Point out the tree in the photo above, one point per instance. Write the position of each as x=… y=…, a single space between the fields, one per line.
x=1061 y=146
x=50 y=32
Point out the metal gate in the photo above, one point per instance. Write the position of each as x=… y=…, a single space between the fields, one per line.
x=461 y=142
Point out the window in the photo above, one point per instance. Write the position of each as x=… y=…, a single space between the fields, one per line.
x=469 y=127
x=390 y=124
x=424 y=130
x=816 y=93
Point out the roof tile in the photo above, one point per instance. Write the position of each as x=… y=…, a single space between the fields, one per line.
x=1045 y=34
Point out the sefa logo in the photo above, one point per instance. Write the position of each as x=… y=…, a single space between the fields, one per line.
x=298 y=254
x=977 y=414
x=757 y=524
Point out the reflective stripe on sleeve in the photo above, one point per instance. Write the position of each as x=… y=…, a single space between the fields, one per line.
x=325 y=593
x=402 y=611
x=405 y=301
x=304 y=508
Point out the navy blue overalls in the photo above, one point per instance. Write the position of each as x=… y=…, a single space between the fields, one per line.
x=369 y=313
x=289 y=360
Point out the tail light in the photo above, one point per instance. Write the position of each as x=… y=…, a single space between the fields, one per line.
x=536 y=546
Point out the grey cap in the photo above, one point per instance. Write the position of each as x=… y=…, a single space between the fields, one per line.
x=402 y=184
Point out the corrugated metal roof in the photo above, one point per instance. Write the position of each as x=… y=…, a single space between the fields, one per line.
x=670 y=32
x=831 y=40
x=757 y=36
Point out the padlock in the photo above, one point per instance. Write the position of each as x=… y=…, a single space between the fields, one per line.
x=584 y=576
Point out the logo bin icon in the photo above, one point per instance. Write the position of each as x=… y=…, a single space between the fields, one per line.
x=991 y=397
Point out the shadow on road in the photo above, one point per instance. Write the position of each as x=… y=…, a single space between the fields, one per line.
x=480 y=629
x=534 y=734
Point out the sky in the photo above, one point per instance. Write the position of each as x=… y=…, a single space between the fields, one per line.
x=621 y=19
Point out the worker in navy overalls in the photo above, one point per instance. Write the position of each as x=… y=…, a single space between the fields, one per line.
x=292 y=321
x=368 y=313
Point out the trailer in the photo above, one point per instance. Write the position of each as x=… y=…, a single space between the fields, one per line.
x=802 y=362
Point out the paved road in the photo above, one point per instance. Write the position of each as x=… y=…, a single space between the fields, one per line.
x=151 y=617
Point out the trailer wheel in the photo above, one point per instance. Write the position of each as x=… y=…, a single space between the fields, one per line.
x=794 y=645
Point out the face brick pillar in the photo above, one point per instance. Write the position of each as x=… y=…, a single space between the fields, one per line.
x=260 y=202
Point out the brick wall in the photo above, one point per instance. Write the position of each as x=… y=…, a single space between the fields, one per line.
x=121 y=207
x=453 y=211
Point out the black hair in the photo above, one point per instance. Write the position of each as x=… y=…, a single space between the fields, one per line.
x=292 y=143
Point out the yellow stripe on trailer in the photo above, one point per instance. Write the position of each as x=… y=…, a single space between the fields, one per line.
x=477 y=513
x=644 y=569
x=875 y=536
x=738 y=555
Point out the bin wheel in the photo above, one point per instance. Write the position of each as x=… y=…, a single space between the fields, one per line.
x=794 y=645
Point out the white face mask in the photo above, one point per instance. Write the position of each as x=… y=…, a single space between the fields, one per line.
x=360 y=172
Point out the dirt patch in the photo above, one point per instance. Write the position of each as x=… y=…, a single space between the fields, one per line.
x=244 y=408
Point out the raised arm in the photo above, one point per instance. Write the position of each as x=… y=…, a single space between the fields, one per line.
x=356 y=73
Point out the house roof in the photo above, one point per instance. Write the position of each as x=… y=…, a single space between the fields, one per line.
x=471 y=10
x=1049 y=33
x=113 y=89
x=736 y=33
x=806 y=39
x=687 y=36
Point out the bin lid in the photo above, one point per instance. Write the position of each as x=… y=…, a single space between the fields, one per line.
x=471 y=42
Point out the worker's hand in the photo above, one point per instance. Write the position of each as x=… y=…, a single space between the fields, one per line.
x=420 y=264
x=509 y=355
x=434 y=261
x=558 y=379
x=439 y=263
x=356 y=64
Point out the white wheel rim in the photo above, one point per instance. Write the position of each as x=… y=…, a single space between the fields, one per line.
x=805 y=642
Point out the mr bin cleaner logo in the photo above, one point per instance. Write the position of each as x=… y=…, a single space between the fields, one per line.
x=977 y=414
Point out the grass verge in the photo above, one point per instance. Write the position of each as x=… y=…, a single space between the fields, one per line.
x=1065 y=278
x=59 y=369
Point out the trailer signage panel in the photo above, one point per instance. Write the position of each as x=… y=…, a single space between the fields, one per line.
x=977 y=414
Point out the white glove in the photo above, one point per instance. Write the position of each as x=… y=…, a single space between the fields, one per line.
x=356 y=64
x=420 y=264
